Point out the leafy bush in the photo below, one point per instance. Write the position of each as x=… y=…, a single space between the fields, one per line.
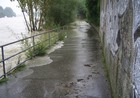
x=38 y=50
x=61 y=11
x=41 y=44
x=62 y=36
x=81 y=9
x=93 y=11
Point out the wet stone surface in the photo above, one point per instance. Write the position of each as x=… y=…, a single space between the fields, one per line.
x=76 y=71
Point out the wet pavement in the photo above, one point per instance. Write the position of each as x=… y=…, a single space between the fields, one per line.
x=75 y=71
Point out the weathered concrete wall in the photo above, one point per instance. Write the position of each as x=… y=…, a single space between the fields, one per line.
x=120 y=35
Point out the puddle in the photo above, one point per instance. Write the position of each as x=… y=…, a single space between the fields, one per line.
x=45 y=60
x=58 y=45
x=39 y=61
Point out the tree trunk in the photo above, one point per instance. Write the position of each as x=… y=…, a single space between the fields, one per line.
x=24 y=15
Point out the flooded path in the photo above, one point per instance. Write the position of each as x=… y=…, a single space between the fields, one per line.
x=76 y=71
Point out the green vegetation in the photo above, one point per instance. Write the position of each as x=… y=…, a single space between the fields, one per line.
x=42 y=43
x=38 y=50
x=19 y=68
x=93 y=11
x=61 y=12
x=49 y=14
x=45 y=12
x=3 y=80
x=81 y=9
x=62 y=36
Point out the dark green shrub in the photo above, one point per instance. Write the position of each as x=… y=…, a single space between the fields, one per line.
x=93 y=11
x=62 y=36
x=40 y=49
x=61 y=12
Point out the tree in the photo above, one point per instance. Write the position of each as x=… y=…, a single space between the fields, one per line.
x=61 y=12
x=44 y=12
x=81 y=9
x=32 y=8
x=93 y=11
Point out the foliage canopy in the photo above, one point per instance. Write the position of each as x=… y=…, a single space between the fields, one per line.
x=93 y=11
x=46 y=12
x=61 y=12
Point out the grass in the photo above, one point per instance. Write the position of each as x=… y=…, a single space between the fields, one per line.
x=3 y=80
x=42 y=43
x=107 y=74
x=40 y=49
x=19 y=68
x=105 y=66
x=62 y=36
x=54 y=38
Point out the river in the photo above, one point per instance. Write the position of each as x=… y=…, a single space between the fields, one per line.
x=11 y=29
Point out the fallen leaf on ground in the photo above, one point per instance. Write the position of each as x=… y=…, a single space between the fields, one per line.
x=95 y=72
x=80 y=80
x=89 y=76
x=87 y=65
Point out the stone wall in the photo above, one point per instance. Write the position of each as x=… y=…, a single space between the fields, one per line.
x=120 y=36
